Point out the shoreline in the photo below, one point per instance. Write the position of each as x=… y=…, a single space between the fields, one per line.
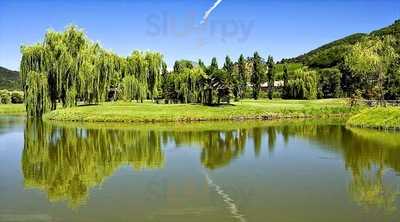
x=233 y=119
x=379 y=118
x=123 y=112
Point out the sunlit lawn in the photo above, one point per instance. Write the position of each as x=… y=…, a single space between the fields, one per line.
x=12 y=108
x=246 y=109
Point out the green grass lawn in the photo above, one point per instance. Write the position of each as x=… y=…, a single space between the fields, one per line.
x=12 y=109
x=246 y=109
x=379 y=118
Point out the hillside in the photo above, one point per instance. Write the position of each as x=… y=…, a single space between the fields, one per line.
x=331 y=54
x=9 y=79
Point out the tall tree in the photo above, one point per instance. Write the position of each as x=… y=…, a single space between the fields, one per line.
x=154 y=68
x=242 y=76
x=329 y=83
x=285 y=92
x=229 y=78
x=257 y=75
x=210 y=80
x=270 y=75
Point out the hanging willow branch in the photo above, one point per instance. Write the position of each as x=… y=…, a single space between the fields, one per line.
x=37 y=97
x=73 y=69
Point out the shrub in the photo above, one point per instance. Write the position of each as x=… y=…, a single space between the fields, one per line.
x=17 y=97
x=5 y=97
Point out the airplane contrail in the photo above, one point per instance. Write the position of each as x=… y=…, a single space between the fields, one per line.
x=208 y=12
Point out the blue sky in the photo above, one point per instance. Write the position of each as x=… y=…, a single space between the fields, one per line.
x=279 y=28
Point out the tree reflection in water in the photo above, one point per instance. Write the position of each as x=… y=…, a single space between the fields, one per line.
x=366 y=154
x=66 y=162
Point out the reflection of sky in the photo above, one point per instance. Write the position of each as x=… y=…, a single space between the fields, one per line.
x=281 y=28
x=9 y=138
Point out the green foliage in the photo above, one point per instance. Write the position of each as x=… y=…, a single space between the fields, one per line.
x=365 y=62
x=285 y=77
x=231 y=84
x=9 y=79
x=5 y=97
x=132 y=89
x=242 y=76
x=257 y=75
x=369 y=61
x=66 y=166
x=183 y=64
x=270 y=75
x=392 y=82
x=154 y=68
x=78 y=70
x=37 y=98
x=329 y=83
x=302 y=85
x=17 y=97
x=279 y=69
x=328 y=55
x=379 y=118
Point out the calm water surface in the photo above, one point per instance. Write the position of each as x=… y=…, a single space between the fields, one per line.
x=247 y=171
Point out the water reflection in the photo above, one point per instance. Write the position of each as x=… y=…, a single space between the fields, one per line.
x=67 y=161
x=367 y=154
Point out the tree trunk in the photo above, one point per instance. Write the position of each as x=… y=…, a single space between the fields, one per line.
x=209 y=102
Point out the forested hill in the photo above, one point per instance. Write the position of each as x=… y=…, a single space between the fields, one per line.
x=9 y=79
x=331 y=54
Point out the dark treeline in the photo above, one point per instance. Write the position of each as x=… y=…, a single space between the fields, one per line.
x=68 y=69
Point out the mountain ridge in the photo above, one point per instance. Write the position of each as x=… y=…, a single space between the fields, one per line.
x=332 y=53
x=9 y=79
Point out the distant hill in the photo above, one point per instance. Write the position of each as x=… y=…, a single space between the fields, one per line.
x=9 y=79
x=331 y=54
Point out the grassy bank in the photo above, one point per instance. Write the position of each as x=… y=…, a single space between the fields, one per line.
x=378 y=118
x=246 y=109
x=18 y=109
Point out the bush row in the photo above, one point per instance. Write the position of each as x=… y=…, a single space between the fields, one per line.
x=8 y=97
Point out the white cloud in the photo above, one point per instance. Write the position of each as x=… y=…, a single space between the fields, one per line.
x=208 y=12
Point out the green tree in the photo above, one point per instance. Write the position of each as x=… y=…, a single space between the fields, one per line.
x=257 y=75
x=303 y=84
x=329 y=83
x=392 y=83
x=242 y=76
x=270 y=75
x=154 y=67
x=229 y=81
x=37 y=94
x=285 y=93
x=370 y=59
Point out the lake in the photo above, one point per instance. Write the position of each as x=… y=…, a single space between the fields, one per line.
x=280 y=171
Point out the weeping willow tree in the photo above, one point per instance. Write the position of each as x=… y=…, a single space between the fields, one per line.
x=36 y=87
x=136 y=76
x=132 y=89
x=57 y=59
x=154 y=62
x=302 y=85
x=38 y=99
